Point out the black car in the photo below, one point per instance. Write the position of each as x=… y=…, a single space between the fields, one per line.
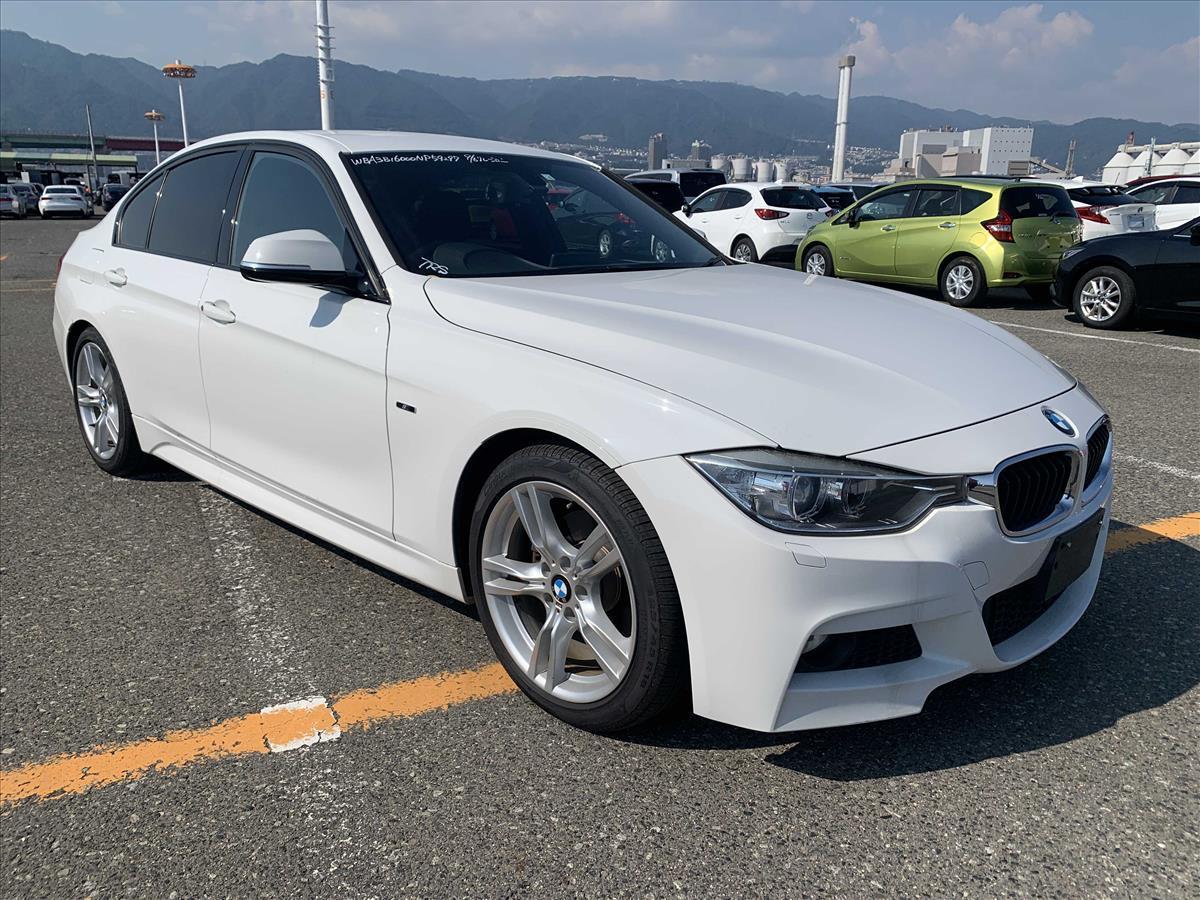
x=666 y=194
x=1108 y=280
x=111 y=193
x=836 y=198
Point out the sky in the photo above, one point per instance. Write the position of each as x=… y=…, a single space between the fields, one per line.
x=1061 y=61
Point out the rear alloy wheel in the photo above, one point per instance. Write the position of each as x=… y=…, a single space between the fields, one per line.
x=817 y=261
x=575 y=592
x=743 y=250
x=962 y=282
x=1104 y=297
x=105 y=420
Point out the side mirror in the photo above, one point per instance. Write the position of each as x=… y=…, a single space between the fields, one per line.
x=686 y=209
x=303 y=256
x=852 y=218
x=1196 y=235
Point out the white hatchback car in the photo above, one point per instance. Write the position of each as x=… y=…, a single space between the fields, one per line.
x=756 y=222
x=1106 y=209
x=813 y=500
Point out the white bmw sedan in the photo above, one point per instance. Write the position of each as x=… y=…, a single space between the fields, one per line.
x=810 y=501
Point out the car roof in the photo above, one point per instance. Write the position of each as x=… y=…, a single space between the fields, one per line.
x=331 y=143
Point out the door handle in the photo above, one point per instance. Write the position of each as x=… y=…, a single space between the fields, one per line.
x=116 y=277
x=888 y=228
x=218 y=311
x=947 y=225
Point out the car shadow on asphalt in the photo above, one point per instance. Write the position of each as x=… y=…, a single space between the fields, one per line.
x=1136 y=649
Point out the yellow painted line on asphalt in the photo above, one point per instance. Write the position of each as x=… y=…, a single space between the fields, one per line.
x=1173 y=529
x=316 y=720
x=273 y=730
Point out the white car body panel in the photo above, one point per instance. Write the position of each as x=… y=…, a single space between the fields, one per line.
x=355 y=420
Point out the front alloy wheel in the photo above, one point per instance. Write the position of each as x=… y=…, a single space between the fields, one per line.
x=1104 y=297
x=574 y=590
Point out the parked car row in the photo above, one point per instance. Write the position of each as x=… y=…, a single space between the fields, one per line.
x=19 y=199
x=968 y=235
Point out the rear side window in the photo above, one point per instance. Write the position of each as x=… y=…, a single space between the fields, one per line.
x=971 y=199
x=135 y=220
x=1186 y=193
x=791 y=198
x=735 y=199
x=1036 y=201
x=936 y=202
x=283 y=194
x=187 y=222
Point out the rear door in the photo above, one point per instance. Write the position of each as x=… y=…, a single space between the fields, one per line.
x=1044 y=224
x=927 y=234
x=165 y=243
x=868 y=246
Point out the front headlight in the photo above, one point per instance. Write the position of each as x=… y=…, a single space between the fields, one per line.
x=804 y=494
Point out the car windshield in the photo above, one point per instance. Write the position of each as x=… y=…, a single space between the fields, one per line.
x=465 y=215
x=693 y=184
x=791 y=198
x=1101 y=195
x=1037 y=201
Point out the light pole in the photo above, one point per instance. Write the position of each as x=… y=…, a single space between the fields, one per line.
x=180 y=71
x=155 y=117
x=325 y=64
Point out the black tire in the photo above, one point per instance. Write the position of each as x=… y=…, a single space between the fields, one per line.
x=128 y=458
x=814 y=253
x=951 y=293
x=746 y=246
x=1095 y=279
x=1041 y=293
x=657 y=676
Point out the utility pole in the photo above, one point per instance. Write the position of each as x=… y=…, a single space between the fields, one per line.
x=155 y=117
x=325 y=64
x=845 y=69
x=94 y=178
x=1070 y=168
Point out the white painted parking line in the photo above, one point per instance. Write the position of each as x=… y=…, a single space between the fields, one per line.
x=1098 y=337
x=1160 y=467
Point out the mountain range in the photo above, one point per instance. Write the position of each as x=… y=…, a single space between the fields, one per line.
x=45 y=87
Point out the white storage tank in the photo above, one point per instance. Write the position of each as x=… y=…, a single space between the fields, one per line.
x=1116 y=169
x=764 y=170
x=1143 y=164
x=742 y=168
x=721 y=163
x=783 y=170
x=1173 y=162
x=1193 y=166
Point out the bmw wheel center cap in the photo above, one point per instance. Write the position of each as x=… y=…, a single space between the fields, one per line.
x=561 y=589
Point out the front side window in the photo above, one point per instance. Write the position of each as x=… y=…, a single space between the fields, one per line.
x=709 y=202
x=191 y=205
x=478 y=215
x=283 y=193
x=936 y=202
x=886 y=206
x=1186 y=193
x=134 y=229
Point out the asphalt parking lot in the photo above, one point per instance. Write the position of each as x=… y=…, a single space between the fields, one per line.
x=134 y=609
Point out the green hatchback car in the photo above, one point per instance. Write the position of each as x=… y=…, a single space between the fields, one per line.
x=960 y=235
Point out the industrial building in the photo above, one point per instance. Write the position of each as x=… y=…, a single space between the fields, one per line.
x=49 y=158
x=1138 y=161
x=994 y=150
x=657 y=151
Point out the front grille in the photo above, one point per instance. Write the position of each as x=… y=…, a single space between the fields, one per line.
x=861 y=650
x=1027 y=492
x=1097 y=444
x=1013 y=610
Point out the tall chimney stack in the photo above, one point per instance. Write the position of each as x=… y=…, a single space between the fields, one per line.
x=845 y=69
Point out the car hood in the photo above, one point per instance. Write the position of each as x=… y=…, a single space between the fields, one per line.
x=812 y=364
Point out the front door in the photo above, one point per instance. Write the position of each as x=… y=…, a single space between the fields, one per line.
x=867 y=247
x=1175 y=282
x=294 y=374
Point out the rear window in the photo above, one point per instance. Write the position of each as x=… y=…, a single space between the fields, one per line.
x=61 y=190
x=1036 y=201
x=792 y=198
x=187 y=222
x=694 y=183
x=1101 y=195
x=837 y=199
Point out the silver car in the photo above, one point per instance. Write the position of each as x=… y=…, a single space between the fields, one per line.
x=12 y=203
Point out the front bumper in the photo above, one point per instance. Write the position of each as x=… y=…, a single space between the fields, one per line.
x=753 y=597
